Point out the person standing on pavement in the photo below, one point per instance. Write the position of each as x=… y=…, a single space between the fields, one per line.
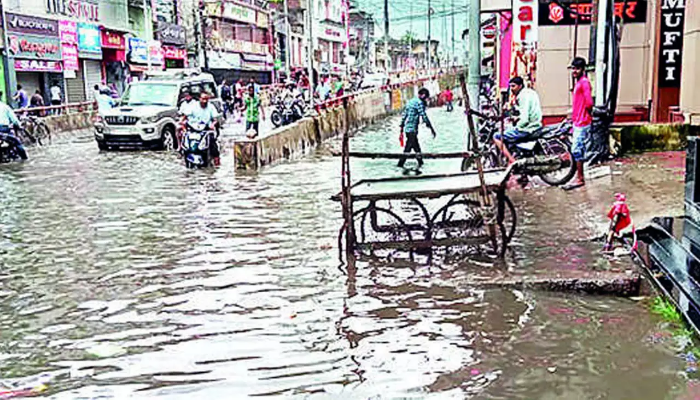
x=253 y=109
x=581 y=118
x=55 y=91
x=36 y=101
x=412 y=115
x=21 y=98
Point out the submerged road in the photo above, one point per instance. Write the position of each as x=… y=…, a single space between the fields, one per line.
x=124 y=275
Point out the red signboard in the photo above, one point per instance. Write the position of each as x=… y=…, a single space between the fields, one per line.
x=38 y=65
x=70 y=57
x=554 y=14
x=175 y=53
x=113 y=40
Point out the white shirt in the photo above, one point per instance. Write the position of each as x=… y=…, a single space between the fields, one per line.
x=55 y=93
x=7 y=116
x=104 y=102
x=196 y=113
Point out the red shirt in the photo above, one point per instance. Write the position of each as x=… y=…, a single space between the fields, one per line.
x=582 y=103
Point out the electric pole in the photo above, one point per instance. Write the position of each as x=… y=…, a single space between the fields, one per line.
x=387 y=61
x=452 y=12
x=428 y=48
x=474 y=51
x=310 y=54
x=410 y=36
x=287 y=42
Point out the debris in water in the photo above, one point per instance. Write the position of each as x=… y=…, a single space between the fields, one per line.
x=12 y=394
x=474 y=372
x=552 y=369
x=638 y=298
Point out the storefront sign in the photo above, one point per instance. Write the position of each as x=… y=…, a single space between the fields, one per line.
x=68 y=32
x=525 y=21
x=262 y=20
x=240 y=46
x=239 y=13
x=113 y=40
x=223 y=60
x=142 y=52
x=34 y=47
x=170 y=33
x=671 y=42
x=85 y=10
x=174 y=53
x=212 y=9
x=70 y=57
x=551 y=13
x=38 y=66
x=332 y=33
x=31 y=25
x=89 y=40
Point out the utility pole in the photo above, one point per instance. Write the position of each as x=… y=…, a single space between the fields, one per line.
x=203 y=40
x=428 y=47
x=600 y=53
x=310 y=54
x=287 y=42
x=387 y=62
x=5 y=84
x=452 y=12
x=474 y=51
x=410 y=36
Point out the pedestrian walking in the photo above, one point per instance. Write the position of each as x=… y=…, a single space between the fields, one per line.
x=253 y=110
x=412 y=115
x=581 y=118
x=55 y=91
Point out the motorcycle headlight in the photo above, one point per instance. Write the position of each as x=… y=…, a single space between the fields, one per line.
x=149 y=120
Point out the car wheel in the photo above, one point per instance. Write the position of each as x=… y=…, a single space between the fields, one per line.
x=168 y=139
x=102 y=146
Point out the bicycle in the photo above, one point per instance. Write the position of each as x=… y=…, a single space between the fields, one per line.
x=34 y=130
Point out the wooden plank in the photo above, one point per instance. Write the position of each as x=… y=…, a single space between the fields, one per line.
x=421 y=244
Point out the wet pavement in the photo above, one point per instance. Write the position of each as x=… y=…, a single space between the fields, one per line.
x=126 y=276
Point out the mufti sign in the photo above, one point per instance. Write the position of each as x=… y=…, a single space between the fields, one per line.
x=671 y=42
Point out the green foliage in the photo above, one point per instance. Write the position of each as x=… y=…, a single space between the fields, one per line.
x=666 y=310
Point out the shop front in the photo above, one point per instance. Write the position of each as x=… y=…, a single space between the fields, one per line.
x=34 y=51
x=90 y=63
x=174 y=40
x=332 y=41
x=114 y=59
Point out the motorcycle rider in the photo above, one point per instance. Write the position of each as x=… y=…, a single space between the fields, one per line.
x=8 y=122
x=293 y=95
x=206 y=113
x=528 y=119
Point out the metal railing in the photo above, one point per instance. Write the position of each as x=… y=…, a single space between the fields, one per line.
x=49 y=111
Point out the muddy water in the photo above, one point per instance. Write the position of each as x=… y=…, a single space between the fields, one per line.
x=126 y=276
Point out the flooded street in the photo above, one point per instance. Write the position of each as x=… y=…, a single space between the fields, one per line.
x=124 y=275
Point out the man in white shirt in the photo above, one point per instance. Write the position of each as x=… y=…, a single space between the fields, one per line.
x=55 y=98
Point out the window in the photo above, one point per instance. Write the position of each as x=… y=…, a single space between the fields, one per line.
x=244 y=33
x=209 y=88
x=260 y=36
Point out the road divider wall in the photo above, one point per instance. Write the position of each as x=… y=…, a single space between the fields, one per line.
x=297 y=139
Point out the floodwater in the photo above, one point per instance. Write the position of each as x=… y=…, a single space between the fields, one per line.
x=126 y=276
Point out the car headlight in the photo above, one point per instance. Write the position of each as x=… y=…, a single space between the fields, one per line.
x=149 y=120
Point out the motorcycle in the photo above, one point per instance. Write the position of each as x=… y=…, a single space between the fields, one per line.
x=11 y=148
x=287 y=111
x=196 y=145
x=546 y=152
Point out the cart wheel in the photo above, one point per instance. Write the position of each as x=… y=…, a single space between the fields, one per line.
x=460 y=219
x=375 y=226
x=510 y=218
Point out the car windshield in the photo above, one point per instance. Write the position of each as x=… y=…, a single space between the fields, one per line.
x=151 y=94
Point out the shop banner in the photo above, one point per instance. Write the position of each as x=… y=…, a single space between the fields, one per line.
x=239 y=13
x=332 y=33
x=671 y=43
x=212 y=9
x=138 y=51
x=113 y=40
x=70 y=57
x=171 y=33
x=38 y=66
x=174 y=53
x=551 y=13
x=89 y=40
x=262 y=20
x=223 y=60
x=31 y=25
x=68 y=32
x=241 y=46
x=155 y=49
x=34 y=47
x=525 y=21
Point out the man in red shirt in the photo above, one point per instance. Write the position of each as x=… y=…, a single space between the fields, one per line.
x=582 y=105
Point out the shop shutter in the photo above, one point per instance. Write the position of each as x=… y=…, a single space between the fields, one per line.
x=93 y=76
x=75 y=88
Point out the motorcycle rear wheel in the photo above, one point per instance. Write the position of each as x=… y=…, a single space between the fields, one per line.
x=568 y=169
x=276 y=119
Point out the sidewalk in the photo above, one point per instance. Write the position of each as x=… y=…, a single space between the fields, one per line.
x=235 y=128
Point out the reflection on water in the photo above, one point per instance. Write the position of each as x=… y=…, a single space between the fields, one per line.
x=123 y=274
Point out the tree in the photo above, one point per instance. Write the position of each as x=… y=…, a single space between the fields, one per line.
x=408 y=37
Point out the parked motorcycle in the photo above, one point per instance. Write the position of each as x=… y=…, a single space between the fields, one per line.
x=287 y=111
x=196 y=145
x=11 y=148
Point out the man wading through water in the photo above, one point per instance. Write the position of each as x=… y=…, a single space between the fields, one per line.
x=582 y=104
x=412 y=114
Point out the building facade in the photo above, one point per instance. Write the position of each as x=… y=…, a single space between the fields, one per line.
x=330 y=31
